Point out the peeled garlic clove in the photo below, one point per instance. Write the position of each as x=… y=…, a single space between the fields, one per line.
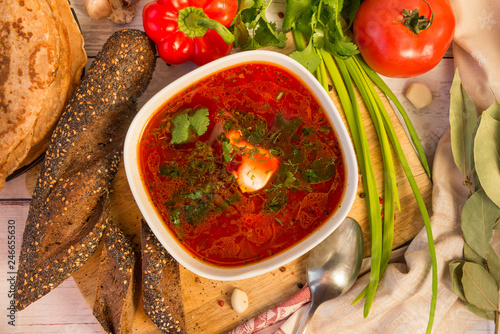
x=98 y=9
x=419 y=95
x=239 y=300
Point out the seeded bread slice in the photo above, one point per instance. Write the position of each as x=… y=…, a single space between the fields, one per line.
x=68 y=210
x=115 y=305
x=42 y=268
x=162 y=295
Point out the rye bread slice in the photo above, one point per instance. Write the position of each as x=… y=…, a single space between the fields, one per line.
x=70 y=203
x=115 y=302
x=161 y=286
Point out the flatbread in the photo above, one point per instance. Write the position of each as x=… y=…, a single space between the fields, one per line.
x=41 y=62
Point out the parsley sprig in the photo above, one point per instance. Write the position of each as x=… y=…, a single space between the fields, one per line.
x=186 y=125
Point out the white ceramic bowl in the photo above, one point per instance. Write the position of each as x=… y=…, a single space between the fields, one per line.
x=155 y=222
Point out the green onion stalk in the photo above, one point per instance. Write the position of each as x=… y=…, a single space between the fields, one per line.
x=346 y=73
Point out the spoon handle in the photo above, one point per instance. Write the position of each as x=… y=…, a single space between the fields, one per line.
x=307 y=317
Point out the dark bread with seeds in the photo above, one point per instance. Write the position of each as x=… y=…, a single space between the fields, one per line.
x=70 y=203
x=161 y=286
x=115 y=303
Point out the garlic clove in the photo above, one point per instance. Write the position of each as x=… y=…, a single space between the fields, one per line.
x=419 y=95
x=98 y=9
x=239 y=300
x=118 y=11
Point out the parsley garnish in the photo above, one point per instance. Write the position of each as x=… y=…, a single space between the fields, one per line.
x=200 y=121
x=184 y=125
x=180 y=134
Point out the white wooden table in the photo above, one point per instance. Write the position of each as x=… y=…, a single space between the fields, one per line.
x=64 y=309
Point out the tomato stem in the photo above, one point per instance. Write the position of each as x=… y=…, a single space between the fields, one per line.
x=413 y=21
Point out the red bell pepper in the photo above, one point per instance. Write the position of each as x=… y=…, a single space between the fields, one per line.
x=193 y=30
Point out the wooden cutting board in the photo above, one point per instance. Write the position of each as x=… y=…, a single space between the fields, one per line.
x=203 y=313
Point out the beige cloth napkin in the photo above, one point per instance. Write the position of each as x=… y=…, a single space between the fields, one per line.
x=403 y=298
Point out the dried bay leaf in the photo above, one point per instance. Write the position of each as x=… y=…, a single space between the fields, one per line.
x=488 y=315
x=471 y=256
x=487 y=152
x=463 y=119
x=479 y=215
x=456 y=278
x=477 y=183
x=494 y=265
x=480 y=289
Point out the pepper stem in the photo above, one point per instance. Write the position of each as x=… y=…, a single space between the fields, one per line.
x=193 y=22
x=413 y=21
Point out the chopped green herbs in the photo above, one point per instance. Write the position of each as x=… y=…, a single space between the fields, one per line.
x=206 y=171
x=175 y=216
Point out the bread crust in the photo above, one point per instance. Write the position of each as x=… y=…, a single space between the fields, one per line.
x=42 y=61
x=161 y=288
x=70 y=204
x=115 y=303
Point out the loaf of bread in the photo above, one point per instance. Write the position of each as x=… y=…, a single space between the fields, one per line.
x=161 y=288
x=42 y=57
x=70 y=203
x=115 y=303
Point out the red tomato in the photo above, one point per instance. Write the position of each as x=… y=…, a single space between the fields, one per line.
x=390 y=47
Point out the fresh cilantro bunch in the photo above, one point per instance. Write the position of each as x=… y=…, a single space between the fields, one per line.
x=323 y=25
x=251 y=28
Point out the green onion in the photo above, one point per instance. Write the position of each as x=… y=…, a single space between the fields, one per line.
x=345 y=73
x=411 y=129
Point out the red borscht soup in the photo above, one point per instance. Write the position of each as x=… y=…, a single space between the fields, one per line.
x=242 y=164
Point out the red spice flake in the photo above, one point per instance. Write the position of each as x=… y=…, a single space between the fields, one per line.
x=282 y=269
x=381 y=200
x=221 y=303
x=382 y=214
x=281 y=15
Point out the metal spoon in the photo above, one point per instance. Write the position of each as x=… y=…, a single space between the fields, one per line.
x=332 y=266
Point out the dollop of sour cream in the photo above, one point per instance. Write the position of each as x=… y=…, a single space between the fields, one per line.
x=257 y=164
